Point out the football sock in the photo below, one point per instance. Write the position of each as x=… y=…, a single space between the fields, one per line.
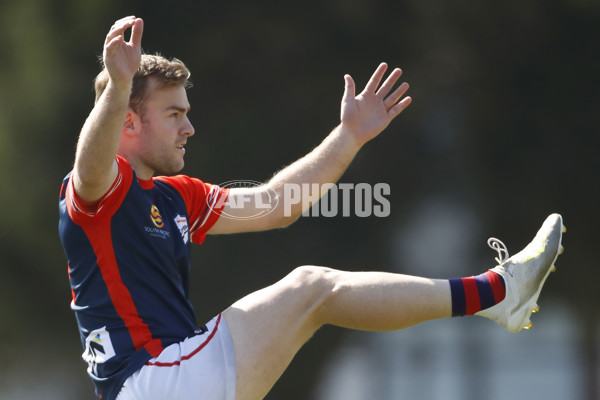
x=476 y=293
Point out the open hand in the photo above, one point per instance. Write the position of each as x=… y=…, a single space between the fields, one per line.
x=366 y=115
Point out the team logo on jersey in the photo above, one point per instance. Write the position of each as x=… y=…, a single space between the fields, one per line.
x=182 y=224
x=98 y=349
x=156 y=217
x=156 y=230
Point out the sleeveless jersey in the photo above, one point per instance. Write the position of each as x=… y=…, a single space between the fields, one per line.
x=129 y=266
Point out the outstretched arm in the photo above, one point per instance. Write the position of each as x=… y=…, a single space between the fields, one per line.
x=363 y=117
x=95 y=167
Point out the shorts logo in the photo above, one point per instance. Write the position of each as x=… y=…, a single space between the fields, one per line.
x=182 y=224
x=156 y=217
x=98 y=349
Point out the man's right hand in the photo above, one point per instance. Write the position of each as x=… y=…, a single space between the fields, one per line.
x=122 y=58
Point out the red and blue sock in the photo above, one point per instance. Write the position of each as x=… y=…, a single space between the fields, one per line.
x=476 y=293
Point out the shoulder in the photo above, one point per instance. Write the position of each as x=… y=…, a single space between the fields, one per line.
x=191 y=189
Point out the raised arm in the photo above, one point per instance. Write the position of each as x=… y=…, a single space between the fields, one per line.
x=95 y=167
x=363 y=117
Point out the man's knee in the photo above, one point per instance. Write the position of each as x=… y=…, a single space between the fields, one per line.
x=312 y=285
x=312 y=277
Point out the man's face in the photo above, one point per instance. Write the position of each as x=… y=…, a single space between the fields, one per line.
x=165 y=129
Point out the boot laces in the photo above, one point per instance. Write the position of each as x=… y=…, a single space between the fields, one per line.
x=496 y=244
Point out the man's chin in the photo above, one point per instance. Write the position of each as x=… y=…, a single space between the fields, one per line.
x=170 y=170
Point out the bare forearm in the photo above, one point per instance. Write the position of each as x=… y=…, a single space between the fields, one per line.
x=324 y=164
x=99 y=142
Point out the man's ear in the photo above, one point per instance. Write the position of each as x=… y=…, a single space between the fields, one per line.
x=132 y=124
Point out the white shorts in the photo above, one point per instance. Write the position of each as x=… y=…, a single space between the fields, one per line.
x=201 y=368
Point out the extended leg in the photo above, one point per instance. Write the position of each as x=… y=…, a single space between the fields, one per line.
x=269 y=326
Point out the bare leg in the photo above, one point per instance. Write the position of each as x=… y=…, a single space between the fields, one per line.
x=269 y=326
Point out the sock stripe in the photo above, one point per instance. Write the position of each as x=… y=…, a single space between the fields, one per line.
x=471 y=295
x=457 y=293
x=498 y=286
x=486 y=292
x=475 y=293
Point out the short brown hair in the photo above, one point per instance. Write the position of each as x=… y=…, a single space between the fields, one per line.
x=167 y=72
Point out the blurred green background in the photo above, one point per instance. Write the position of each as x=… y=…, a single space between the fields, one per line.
x=503 y=130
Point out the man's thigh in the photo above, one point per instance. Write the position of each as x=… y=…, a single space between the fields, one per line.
x=269 y=326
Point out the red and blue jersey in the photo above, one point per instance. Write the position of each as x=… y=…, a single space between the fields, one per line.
x=129 y=266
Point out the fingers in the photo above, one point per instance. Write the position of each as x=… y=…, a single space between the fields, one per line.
x=393 y=98
x=389 y=82
x=350 y=88
x=392 y=102
x=398 y=108
x=376 y=78
x=383 y=90
x=110 y=46
x=136 y=32
x=120 y=26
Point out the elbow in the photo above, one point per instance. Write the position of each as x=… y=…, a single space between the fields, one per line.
x=279 y=219
x=285 y=221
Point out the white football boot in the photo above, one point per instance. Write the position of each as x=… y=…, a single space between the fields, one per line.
x=524 y=275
